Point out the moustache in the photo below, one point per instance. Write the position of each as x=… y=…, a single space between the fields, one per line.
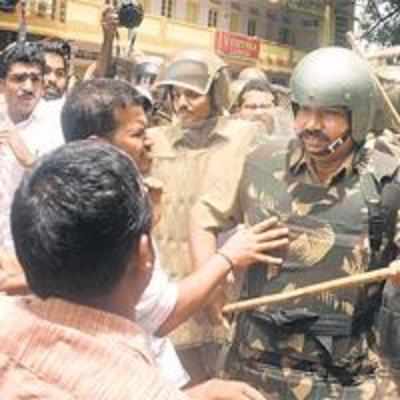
x=182 y=109
x=307 y=133
x=25 y=92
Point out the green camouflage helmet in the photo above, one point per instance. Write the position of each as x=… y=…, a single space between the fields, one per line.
x=337 y=77
x=198 y=70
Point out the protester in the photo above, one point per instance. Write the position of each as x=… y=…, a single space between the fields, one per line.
x=28 y=129
x=81 y=223
x=57 y=55
x=256 y=101
x=164 y=304
x=21 y=72
x=22 y=77
x=318 y=186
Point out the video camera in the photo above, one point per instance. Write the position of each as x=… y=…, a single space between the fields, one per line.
x=130 y=13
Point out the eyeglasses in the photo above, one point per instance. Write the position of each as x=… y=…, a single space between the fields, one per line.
x=254 y=107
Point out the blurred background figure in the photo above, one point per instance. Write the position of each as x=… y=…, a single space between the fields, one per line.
x=256 y=101
x=57 y=56
x=253 y=96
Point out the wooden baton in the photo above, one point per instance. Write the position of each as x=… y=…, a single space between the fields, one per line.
x=346 y=282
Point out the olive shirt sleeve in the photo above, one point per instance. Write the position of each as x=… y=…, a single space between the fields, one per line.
x=219 y=208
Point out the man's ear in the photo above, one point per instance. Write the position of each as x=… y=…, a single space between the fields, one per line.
x=144 y=261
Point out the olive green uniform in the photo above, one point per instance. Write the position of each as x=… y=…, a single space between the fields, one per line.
x=310 y=348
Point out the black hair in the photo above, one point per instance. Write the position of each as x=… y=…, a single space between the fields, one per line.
x=21 y=52
x=258 y=85
x=89 y=107
x=59 y=47
x=76 y=219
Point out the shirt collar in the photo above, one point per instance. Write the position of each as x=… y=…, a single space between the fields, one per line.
x=91 y=321
x=215 y=126
x=32 y=118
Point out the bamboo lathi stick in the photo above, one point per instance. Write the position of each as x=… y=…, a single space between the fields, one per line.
x=347 y=282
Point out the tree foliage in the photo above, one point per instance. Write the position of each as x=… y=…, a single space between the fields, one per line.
x=381 y=22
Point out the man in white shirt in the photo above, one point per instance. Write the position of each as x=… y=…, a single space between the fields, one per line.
x=28 y=129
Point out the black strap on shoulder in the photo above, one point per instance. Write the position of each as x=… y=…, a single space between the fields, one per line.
x=381 y=230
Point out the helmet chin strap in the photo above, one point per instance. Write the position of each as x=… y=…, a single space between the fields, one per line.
x=332 y=147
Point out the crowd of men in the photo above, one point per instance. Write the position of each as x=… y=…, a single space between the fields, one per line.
x=138 y=202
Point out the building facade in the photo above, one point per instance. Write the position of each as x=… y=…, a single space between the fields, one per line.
x=271 y=34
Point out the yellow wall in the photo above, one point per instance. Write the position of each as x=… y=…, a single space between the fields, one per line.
x=157 y=35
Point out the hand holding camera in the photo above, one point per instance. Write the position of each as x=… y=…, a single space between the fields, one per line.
x=109 y=21
x=125 y=13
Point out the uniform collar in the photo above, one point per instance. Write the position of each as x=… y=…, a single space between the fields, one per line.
x=211 y=127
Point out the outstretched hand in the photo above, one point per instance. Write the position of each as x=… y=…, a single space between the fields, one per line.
x=256 y=244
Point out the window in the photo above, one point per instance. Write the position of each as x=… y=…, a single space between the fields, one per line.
x=284 y=35
x=285 y=19
x=235 y=23
x=212 y=17
x=272 y=16
x=252 y=27
x=235 y=6
x=45 y=8
x=63 y=10
x=167 y=8
x=192 y=11
x=310 y=23
x=53 y=10
x=146 y=6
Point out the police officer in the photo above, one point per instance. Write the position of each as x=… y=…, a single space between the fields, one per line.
x=319 y=186
x=197 y=84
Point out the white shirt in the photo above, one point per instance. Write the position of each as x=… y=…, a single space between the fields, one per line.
x=157 y=303
x=41 y=132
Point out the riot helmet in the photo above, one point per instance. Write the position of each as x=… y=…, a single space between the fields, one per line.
x=337 y=77
x=146 y=70
x=201 y=71
x=251 y=73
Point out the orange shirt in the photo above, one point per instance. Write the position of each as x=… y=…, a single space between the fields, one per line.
x=58 y=350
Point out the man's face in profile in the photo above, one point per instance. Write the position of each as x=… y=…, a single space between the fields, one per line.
x=130 y=135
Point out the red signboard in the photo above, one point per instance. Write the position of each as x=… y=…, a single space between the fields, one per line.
x=235 y=44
